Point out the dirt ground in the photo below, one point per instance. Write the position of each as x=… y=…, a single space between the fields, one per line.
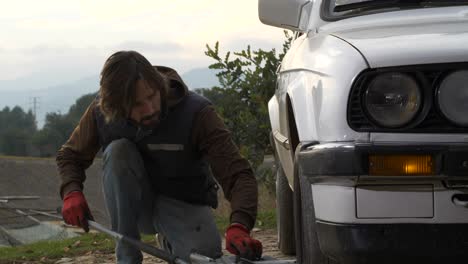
x=267 y=237
x=41 y=176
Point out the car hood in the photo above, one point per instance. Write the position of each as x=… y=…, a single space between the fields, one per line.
x=426 y=36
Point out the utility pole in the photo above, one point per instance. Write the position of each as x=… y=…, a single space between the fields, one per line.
x=35 y=104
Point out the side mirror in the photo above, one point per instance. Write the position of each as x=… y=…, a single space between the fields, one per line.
x=289 y=14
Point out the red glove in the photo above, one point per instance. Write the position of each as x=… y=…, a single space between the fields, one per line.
x=239 y=242
x=75 y=210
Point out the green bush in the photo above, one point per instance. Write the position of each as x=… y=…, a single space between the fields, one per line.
x=247 y=82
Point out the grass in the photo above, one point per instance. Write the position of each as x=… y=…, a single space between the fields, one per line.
x=50 y=251
x=265 y=220
x=58 y=249
x=51 y=159
x=25 y=158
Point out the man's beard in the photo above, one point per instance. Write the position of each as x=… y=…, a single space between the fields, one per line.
x=154 y=120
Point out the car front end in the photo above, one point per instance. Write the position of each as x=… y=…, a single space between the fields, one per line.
x=370 y=121
x=400 y=193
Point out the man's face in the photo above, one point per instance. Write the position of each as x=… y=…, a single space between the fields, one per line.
x=147 y=107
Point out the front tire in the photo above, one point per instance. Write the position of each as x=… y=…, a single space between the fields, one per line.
x=308 y=248
x=284 y=214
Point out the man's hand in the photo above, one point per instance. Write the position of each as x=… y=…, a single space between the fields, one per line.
x=75 y=210
x=239 y=242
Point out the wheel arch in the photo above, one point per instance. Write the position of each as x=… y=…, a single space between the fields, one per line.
x=292 y=127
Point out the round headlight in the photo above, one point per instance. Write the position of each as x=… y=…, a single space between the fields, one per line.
x=393 y=99
x=452 y=97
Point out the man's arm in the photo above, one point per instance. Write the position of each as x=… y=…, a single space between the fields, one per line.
x=77 y=154
x=230 y=169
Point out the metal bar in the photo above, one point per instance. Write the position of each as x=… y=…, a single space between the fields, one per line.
x=136 y=243
x=194 y=257
x=3 y=201
x=10 y=239
x=19 y=197
x=227 y=259
x=197 y=258
x=28 y=216
x=152 y=250
x=16 y=216
x=46 y=214
x=27 y=208
x=276 y=261
x=18 y=211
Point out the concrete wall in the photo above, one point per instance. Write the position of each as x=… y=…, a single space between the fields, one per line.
x=37 y=176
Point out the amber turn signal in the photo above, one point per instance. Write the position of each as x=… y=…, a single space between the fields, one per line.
x=401 y=165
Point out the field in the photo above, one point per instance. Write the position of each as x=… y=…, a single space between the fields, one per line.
x=25 y=176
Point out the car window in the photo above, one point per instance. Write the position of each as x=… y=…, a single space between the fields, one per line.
x=339 y=9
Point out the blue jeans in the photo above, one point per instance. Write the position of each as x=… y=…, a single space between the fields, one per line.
x=134 y=208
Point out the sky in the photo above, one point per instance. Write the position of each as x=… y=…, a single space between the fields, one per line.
x=68 y=40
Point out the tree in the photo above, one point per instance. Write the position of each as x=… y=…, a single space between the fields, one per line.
x=79 y=107
x=19 y=135
x=58 y=127
x=248 y=81
x=16 y=131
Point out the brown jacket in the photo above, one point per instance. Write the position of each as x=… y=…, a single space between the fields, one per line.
x=213 y=139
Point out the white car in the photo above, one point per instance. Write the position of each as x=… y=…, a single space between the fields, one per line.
x=370 y=129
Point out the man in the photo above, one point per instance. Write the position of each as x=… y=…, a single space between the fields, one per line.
x=160 y=144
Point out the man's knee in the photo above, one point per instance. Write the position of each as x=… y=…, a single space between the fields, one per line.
x=123 y=163
x=196 y=234
x=204 y=243
x=120 y=150
x=209 y=245
x=126 y=187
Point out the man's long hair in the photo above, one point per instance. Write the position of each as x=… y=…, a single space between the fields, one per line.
x=119 y=75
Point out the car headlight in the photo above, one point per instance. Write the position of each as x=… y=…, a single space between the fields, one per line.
x=452 y=97
x=393 y=99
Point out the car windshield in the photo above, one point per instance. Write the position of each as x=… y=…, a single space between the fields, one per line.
x=339 y=9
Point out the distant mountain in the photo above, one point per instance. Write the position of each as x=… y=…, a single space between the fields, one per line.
x=57 y=98
x=200 y=78
x=38 y=81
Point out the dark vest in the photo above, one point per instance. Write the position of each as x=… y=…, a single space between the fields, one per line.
x=174 y=164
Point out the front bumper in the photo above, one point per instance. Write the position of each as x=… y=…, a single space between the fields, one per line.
x=394 y=243
x=338 y=174
x=351 y=159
